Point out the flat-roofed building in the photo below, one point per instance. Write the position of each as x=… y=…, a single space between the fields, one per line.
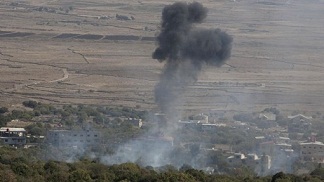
x=73 y=138
x=236 y=160
x=211 y=127
x=312 y=151
x=134 y=122
x=13 y=136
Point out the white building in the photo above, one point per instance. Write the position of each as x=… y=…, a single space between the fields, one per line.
x=269 y=116
x=267 y=120
x=299 y=123
x=211 y=127
x=135 y=122
x=312 y=151
x=13 y=136
x=236 y=160
x=259 y=165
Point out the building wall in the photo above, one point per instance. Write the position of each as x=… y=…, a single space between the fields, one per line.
x=252 y=161
x=266 y=148
x=236 y=160
x=13 y=140
x=13 y=136
x=69 y=138
x=209 y=127
x=135 y=122
x=299 y=124
x=312 y=151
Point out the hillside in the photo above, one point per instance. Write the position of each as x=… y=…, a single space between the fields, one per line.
x=81 y=52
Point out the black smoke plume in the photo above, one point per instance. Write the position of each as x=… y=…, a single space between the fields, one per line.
x=185 y=49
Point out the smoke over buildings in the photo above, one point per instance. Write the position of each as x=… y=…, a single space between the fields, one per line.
x=185 y=49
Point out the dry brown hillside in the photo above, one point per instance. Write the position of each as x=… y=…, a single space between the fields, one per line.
x=64 y=51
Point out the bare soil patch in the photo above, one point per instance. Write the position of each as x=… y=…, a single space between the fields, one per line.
x=276 y=58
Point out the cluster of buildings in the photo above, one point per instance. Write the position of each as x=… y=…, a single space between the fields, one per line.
x=280 y=150
x=200 y=122
x=58 y=137
x=259 y=165
x=275 y=151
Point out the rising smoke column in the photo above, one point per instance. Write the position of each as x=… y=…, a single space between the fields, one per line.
x=185 y=49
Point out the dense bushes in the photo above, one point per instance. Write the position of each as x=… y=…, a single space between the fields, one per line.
x=69 y=114
x=3 y=110
x=17 y=165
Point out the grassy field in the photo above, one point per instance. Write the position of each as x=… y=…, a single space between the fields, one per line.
x=77 y=52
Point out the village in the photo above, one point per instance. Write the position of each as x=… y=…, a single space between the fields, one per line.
x=268 y=142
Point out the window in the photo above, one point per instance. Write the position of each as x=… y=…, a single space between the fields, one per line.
x=95 y=135
x=6 y=140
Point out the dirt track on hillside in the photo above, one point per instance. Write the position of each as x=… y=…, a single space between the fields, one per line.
x=78 y=57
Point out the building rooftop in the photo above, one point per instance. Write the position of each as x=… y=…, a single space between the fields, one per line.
x=282 y=144
x=259 y=137
x=217 y=124
x=312 y=143
x=189 y=122
x=284 y=138
x=300 y=115
x=6 y=129
x=268 y=116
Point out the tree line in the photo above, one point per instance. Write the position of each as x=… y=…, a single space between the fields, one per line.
x=24 y=165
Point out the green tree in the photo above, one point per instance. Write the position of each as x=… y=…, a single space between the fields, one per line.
x=318 y=172
x=36 y=129
x=30 y=103
x=80 y=175
x=3 y=110
x=56 y=171
x=21 y=169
